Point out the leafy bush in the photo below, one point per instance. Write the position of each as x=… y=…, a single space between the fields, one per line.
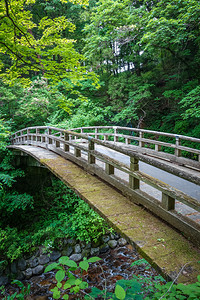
x=72 y=284
x=61 y=214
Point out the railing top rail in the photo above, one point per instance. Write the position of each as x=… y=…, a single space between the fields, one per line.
x=183 y=137
x=173 y=135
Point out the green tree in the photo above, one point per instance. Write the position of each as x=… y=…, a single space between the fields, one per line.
x=39 y=48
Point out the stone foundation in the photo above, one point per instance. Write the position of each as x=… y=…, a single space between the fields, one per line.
x=26 y=267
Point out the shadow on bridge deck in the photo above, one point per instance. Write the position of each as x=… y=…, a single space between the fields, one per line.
x=166 y=249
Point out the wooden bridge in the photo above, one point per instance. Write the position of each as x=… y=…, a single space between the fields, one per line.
x=102 y=165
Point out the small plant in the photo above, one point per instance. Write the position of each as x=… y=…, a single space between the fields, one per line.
x=21 y=295
x=72 y=284
x=180 y=291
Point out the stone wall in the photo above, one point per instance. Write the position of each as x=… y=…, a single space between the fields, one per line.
x=29 y=266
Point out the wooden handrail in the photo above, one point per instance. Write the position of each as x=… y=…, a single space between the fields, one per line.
x=61 y=141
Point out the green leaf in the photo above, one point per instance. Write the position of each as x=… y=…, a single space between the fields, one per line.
x=71 y=276
x=78 y=281
x=67 y=285
x=93 y=259
x=63 y=260
x=66 y=297
x=84 y=265
x=120 y=292
x=52 y=267
x=60 y=275
x=59 y=285
x=70 y=263
x=71 y=281
x=56 y=293
x=76 y=289
x=83 y=285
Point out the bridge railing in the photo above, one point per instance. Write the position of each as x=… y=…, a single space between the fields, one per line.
x=82 y=148
x=149 y=139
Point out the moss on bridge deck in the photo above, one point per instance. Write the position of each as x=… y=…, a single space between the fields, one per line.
x=161 y=245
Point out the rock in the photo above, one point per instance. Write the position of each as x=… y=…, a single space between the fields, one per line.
x=105 y=238
x=96 y=244
x=85 y=252
x=82 y=244
x=104 y=249
x=33 y=262
x=13 y=267
x=28 y=273
x=88 y=245
x=55 y=255
x=114 y=236
x=94 y=251
x=76 y=257
x=77 y=248
x=20 y=276
x=3 y=280
x=71 y=242
x=67 y=251
x=3 y=266
x=122 y=242
x=38 y=270
x=22 y=264
x=43 y=259
x=112 y=244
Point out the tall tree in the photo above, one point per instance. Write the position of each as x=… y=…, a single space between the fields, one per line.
x=39 y=46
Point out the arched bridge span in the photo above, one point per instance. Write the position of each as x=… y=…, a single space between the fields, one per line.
x=59 y=149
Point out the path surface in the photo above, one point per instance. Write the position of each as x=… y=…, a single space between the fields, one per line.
x=162 y=246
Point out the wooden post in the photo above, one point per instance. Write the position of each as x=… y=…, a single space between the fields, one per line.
x=105 y=138
x=115 y=134
x=57 y=144
x=134 y=183
x=109 y=169
x=127 y=141
x=38 y=137
x=157 y=147
x=66 y=138
x=77 y=152
x=91 y=158
x=168 y=202
x=96 y=133
x=28 y=136
x=49 y=139
x=141 y=144
x=177 y=151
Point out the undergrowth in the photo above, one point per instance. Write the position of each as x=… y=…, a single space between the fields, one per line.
x=57 y=213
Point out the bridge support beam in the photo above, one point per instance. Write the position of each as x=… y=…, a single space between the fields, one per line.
x=134 y=183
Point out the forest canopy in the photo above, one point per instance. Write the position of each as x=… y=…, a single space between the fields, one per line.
x=143 y=56
x=32 y=44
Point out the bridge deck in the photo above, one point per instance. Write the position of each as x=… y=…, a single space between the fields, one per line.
x=161 y=245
